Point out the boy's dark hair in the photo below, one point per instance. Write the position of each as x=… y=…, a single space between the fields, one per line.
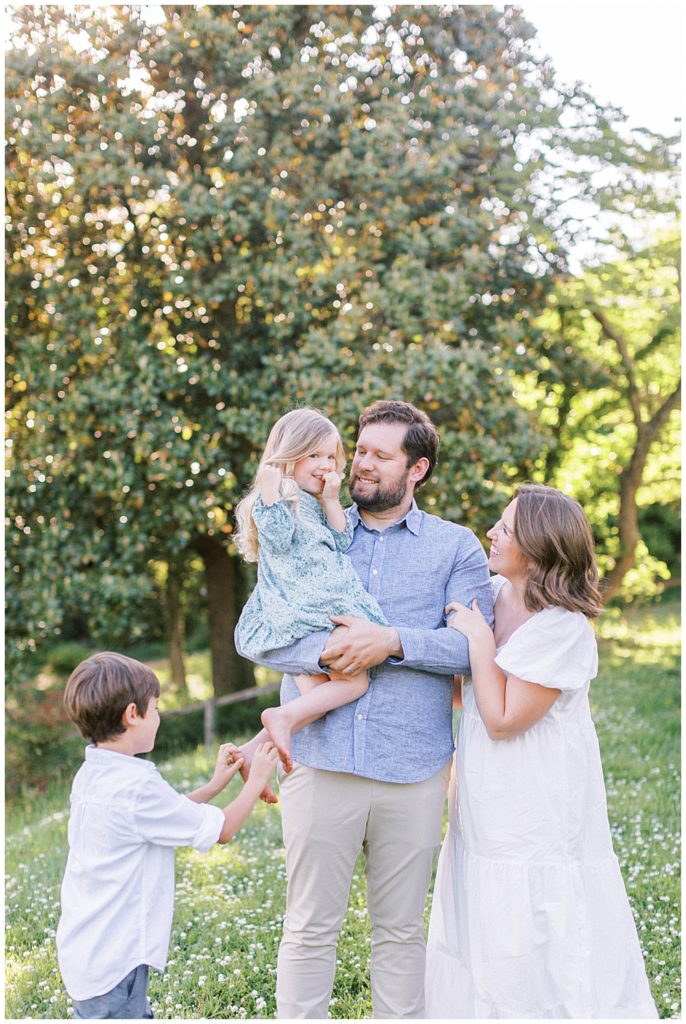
x=421 y=437
x=101 y=688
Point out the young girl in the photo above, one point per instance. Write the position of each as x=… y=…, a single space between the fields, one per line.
x=530 y=918
x=293 y=525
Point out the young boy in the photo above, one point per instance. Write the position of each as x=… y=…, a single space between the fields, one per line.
x=118 y=887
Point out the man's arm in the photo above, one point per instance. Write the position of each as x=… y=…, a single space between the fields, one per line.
x=360 y=644
x=302 y=656
x=438 y=650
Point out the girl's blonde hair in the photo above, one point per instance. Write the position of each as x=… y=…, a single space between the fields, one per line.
x=293 y=437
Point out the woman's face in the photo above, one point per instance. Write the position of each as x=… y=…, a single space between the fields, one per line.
x=505 y=556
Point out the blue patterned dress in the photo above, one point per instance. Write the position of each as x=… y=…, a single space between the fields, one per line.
x=303 y=576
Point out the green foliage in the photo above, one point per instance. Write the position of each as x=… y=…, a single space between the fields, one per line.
x=39 y=740
x=660 y=525
x=237 y=209
x=64 y=658
x=180 y=733
x=230 y=902
x=618 y=438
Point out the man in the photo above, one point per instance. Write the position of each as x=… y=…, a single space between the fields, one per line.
x=372 y=775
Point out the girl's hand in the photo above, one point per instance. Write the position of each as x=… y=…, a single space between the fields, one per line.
x=229 y=761
x=268 y=482
x=470 y=622
x=332 y=485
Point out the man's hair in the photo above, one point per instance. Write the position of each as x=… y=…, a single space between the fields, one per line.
x=101 y=688
x=421 y=437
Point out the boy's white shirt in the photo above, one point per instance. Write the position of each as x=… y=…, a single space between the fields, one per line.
x=118 y=887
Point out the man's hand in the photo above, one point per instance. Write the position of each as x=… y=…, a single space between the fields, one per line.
x=357 y=644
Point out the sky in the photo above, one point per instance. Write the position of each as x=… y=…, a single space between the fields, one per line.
x=628 y=54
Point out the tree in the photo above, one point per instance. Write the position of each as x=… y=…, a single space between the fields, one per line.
x=236 y=209
x=624 y=316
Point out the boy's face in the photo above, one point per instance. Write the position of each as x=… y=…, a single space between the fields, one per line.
x=147 y=726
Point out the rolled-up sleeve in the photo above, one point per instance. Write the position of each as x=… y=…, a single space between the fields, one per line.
x=167 y=818
x=300 y=657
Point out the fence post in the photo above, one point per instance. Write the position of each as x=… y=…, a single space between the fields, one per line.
x=209 y=723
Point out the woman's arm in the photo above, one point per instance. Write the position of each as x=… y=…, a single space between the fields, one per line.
x=507 y=705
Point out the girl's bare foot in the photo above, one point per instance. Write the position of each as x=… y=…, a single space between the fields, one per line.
x=274 y=721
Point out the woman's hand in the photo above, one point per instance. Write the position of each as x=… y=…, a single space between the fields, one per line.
x=468 y=621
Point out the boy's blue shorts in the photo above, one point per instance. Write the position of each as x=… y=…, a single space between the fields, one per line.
x=128 y=999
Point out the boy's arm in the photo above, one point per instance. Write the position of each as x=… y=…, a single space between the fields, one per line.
x=237 y=811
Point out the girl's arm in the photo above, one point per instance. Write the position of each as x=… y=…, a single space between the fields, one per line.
x=507 y=705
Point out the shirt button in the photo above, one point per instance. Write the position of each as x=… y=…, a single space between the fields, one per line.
x=375 y=572
x=380 y=540
x=359 y=718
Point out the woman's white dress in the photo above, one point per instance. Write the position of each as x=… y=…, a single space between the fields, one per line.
x=530 y=917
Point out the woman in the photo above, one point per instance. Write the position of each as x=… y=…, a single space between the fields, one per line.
x=530 y=918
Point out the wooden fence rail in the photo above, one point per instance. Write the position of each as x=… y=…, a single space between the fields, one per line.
x=208 y=707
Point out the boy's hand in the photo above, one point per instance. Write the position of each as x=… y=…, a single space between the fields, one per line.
x=263 y=762
x=246 y=754
x=229 y=761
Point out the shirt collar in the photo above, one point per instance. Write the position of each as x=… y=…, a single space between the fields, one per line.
x=412 y=518
x=100 y=755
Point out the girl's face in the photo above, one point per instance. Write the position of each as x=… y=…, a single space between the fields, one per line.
x=505 y=556
x=309 y=472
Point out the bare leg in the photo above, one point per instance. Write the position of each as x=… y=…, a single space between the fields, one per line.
x=281 y=722
x=307 y=683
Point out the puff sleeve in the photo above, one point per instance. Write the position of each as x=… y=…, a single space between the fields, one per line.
x=555 y=648
x=275 y=525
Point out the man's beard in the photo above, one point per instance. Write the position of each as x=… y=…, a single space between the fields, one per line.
x=382 y=499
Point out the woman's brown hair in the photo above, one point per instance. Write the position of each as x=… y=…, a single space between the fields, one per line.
x=554 y=536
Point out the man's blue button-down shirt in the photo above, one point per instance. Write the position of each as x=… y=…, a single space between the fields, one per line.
x=401 y=730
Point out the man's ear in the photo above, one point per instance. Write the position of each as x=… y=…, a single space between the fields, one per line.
x=420 y=469
x=130 y=715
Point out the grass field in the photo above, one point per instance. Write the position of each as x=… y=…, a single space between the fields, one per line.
x=230 y=902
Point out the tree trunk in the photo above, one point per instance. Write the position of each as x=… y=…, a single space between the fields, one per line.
x=224 y=581
x=175 y=626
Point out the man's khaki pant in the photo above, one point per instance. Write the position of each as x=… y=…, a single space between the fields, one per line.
x=328 y=818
